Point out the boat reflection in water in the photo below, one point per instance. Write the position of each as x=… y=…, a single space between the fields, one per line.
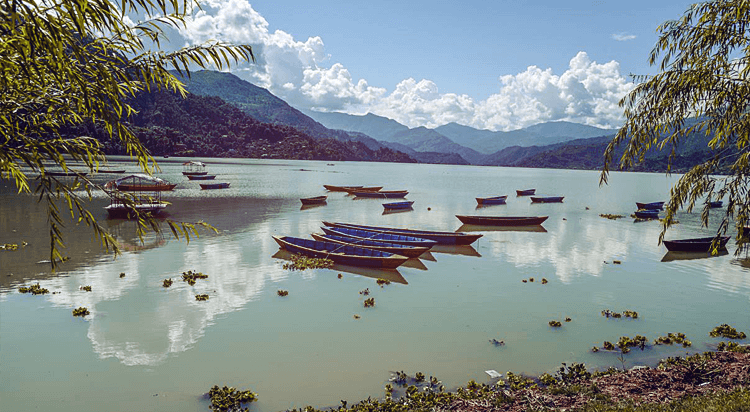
x=482 y=228
x=312 y=206
x=392 y=275
x=428 y=256
x=465 y=250
x=415 y=263
x=672 y=256
x=392 y=211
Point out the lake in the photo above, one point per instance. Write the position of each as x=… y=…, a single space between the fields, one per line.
x=146 y=347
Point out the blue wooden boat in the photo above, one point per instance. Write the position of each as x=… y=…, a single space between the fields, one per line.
x=702 y=244
x=647 y=214
x=214 y=185
x=525 y=192
x=398 y=205
x=446 y=238
x=650 y=206
x=715 y=204
x=403 y=250
x=384 y=194
x=502 y=220
x=547 y=199
x=342 y=254
x=380 y=237
x=201 y=177
x=494 y=200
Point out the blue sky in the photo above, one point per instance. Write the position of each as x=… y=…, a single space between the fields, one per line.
x=498 y=65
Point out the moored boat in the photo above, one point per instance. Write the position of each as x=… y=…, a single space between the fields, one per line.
x=547 y=199
x=194 y=168
x=385 y=194
x=715 y=204
x=343 y=254
x=380 y=237
x=650 y=206
x=214 y=185
x=140 y=182
x=502 y=220
x=398 y=205
x=364 y=189
x=647 y=214
x=201 y=177
x=332 y=188
x=313 y=200
x=403 y=250
x=525 y=192
x=448 y=238
x=494 y=200
x=702 y=244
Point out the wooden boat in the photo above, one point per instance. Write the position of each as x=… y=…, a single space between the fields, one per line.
x=715 y=204
x=647 y=214
x=342 y=254
x=525 y=192
x=313 y=200
x=398 y=205
x=140 y=182
x=502 y=220
x=113 y=171
x=447 y=238
x=385 y=194
x=650 y=206
x=495 y=200
x=363 y=189
x=214 y=185
x=333 y=188
x=194 y=168
x=702 y=244
x=380 y=237
x=547 y=199
x=201 y=177
x=403 y=250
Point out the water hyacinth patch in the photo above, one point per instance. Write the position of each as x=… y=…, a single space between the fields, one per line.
x=726 y=331
x=302 y=262
x=228 y=399
x=33 y=289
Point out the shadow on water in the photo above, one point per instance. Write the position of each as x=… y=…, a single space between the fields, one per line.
x=672 y=256
x=482 y=228
x=465 y=250
x=428 y=256
x=393 y=211
x=313 y=206
x=391 y=275
x=415 y=263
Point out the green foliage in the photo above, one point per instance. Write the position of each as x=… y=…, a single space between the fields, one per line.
x=282 y=292
x=302 y=262
x=228 y=399
x=82 y=311
x=726 y=331
x=191 y=276
x=574 y=373
x=167 y=283
x=66 y=64
x=369 y=302
x=201 y=297
x=732 y=347
x=34 y=289
x=672 y=338
x=703 y=88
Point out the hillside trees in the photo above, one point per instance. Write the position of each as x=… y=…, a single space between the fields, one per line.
x=68 y=63
x=702 y=87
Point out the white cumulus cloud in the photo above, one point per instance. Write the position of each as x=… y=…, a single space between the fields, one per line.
x=623 y=36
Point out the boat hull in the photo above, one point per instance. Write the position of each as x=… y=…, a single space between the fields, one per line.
x=446 y=238
x=207 y=186
x=380 y=237
x=394 y=194
x=332 y=188
x=317 y=200
x=547 y=199
x=364 y=189
x=525 y=192
x=650 y=206
x=502 y=220
x=647 y=214
x=694 y=245
x=496 y=200
x=403 y=250
x=342 y=254
x=201 y=177
x=398 y=205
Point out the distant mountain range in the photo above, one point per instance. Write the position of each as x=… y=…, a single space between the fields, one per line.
x=554 y=144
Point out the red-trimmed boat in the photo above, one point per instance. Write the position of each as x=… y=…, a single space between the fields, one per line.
x=525 y=192
x=317 y=200
x=332 y=188
x=343 y=254
x=502 y=220
x=446 y=238
x=383 y=194
x=363 y=189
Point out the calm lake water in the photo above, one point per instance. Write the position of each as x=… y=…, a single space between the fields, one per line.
x=145 y=347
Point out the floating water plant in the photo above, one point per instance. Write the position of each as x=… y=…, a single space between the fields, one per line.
x=555 y=323
x=201 y=297
x=191 y=276
x=228 y=399
x=399 y=378
x=524 y=280
x=383 y=282
x=357 y=316
x=608 y=345
x=625 y=343
x=630 y=314
x=302 y=262
x=611 y=216
x=568 y=319
x=531 y=279
x=122 y=275
x=419 y=377
x=82 y=311
x=364 y=292
x=726 y=331
x=167 y=283
x=544 y=281
x=33 y=289
x=497 y=342
x=594 y=349
x=733 y=347
x=85 y=288
x=616 y=315
x=282 y=292
x=369 y=302
x=340 y=276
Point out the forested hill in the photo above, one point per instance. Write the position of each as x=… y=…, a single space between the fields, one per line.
x=210 y=127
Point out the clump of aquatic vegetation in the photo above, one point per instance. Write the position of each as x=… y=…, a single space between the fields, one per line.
x=12 y=246
x=531 y=279
x=340 y=276
x=555 y=323
x=229 y=399
x=191 y=276
x=369 y=302
x=616 y=315
x=733 y=347
x=364 y=292
x=122 y=275
x=497 y=342
x=726 y=331
x=567 y=319
x=302 y=262
x=383 y=282
x=611 y=216
x=419 y=377
x=86 y=288
x=673 y=338
x=33 y=289
x=544 y=281
x=282 y=292
x=201 y=297
x=82 y=311
x=357 y=316
x=625 y=343
x=167 y=283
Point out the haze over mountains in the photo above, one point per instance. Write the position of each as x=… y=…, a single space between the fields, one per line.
x=554 y=144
